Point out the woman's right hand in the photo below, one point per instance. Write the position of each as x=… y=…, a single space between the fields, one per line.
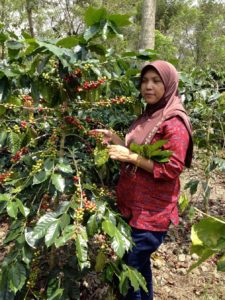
x=109 y=136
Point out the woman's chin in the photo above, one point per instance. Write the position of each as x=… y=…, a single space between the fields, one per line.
x=150 y=101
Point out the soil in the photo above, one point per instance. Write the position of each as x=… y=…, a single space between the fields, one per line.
x=173 y=259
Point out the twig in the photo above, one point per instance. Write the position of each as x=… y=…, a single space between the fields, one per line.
x=207 y=215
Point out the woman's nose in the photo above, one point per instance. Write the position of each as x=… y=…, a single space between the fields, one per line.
x=149 y=85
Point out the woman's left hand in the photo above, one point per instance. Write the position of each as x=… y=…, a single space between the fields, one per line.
x=120 y=153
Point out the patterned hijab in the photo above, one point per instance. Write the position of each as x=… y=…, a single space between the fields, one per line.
x=144 y=128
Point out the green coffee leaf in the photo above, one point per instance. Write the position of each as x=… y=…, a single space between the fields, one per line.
x=58 y=181
x=40 y=177
x=208 y=232
x=4 y=197
x=183 y=202
x=12 y=209
x=14 y=142
x=81 y=248
x=92 y=225
x=109 y=228
x=192 y=185
x=118 y=244
x=17 y=276
x=66 y=168
x=52 y=233
x=23 y=209
x=101 y=156
x=94 y=16
x=136 y=279
x=67 y=234
x=152 y=151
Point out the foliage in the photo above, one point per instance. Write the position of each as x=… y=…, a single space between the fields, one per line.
x=152 y=151
x=62 y=213
x=208 y=238
x=198 y=34
x=203 y=91
x=165 y=46
x=188 y=32
x=63 y=218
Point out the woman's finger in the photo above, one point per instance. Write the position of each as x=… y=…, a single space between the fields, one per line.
x=104 y=131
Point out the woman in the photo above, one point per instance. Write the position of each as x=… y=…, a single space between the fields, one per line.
x=148 y=191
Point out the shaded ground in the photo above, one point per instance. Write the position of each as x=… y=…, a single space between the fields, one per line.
x=171 y=262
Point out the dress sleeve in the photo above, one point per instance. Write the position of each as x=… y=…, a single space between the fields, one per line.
x=177 y=135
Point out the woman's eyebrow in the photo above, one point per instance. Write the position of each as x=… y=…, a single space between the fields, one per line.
x=153 y=77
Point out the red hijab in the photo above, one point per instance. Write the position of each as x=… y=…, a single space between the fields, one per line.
x=144 y=128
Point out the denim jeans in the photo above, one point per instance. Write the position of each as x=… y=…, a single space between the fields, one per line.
x=146 y=242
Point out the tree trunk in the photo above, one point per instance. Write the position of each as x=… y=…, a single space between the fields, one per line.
x=29 y=15
x=3 y=21
x=147 y=39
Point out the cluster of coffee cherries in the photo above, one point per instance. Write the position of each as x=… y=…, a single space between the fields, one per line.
x=74 y=121
x=35 y=271
x=10 y=106
x=113 y=101
x=23 y=124
x=90 y=85
x=37 y=167
x=79 y=215
x=45 y=201
x=118 y=100
x=87 y=205
x=104 y=244
x=54 y=138
x=27 y=100
x=16 y=129
x=75 y=74
x=96 y=135
x=4 y=176
x=19 y=154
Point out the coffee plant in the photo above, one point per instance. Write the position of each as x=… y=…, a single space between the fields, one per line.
x=204 y=92
x=59 y=201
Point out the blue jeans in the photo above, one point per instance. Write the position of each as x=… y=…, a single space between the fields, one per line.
x=146 y=242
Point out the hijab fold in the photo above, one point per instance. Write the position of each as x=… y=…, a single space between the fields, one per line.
x=144 y=128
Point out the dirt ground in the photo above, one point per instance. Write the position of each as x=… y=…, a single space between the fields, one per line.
x=171 y=262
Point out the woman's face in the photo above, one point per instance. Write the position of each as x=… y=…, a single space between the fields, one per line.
x=152 y=87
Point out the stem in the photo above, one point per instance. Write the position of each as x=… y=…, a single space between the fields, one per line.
x=36 y=197
x=25 y=297
x=79 y=181
x=223 y=134
x=52 y=259
x=62 y=145
x=207 y=215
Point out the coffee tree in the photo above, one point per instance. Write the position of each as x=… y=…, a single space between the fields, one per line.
x=54 y=189
x=204 y=93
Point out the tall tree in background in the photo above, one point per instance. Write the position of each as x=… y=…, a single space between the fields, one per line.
x=147 y=39
x=29 y=9
x=2 y=15
x=166 y=11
